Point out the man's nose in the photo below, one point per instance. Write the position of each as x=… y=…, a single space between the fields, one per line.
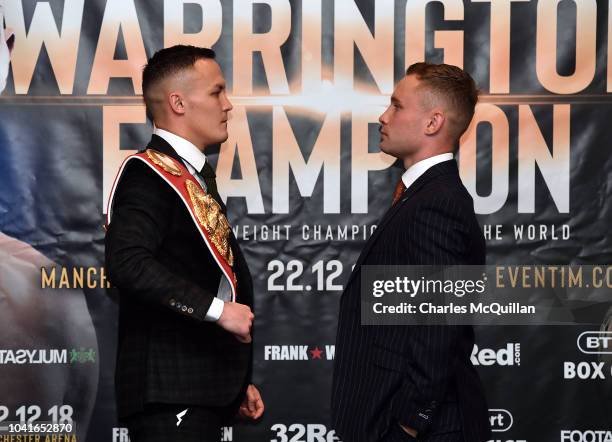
x=228 y=104
x=383 y=118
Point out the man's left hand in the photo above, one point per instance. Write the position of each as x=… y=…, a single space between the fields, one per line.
x=252 y=407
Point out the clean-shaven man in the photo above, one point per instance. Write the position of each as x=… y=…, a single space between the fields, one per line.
x=184 y=352
x=403 y=383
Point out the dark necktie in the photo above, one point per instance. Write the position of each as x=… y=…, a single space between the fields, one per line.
x=398 y=192
x=208 y=174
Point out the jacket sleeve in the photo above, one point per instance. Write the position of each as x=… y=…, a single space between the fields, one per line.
x=436 y=235
x=142 y=210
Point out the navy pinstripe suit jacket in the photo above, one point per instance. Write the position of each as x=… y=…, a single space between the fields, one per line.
x=420 y=376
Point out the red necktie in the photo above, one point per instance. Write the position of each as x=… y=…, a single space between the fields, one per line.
x=399 y=191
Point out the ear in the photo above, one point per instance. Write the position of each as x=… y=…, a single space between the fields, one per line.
x=176 y=102
x=434 y=122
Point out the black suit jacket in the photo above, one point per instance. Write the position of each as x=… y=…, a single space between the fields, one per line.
x=420 y=376
x=157 y=259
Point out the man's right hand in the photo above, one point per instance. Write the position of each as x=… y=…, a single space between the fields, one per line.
x=237 y=319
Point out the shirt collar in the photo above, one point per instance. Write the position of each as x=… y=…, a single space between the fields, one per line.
x=419 y=168
x=186 y=150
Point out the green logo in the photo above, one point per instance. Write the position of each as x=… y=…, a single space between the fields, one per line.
x=82 y=356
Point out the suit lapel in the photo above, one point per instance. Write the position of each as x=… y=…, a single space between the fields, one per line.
x=159 y=144
x=430 y=174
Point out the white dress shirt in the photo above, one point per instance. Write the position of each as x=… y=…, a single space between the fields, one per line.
x=194 y=159
x=419 y=168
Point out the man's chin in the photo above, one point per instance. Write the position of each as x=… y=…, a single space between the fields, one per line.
x=391 y=153
x=222 y=138
x=385 y=149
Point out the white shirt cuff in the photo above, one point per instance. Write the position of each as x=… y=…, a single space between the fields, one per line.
x=214 y=311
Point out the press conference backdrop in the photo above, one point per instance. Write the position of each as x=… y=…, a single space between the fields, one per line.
x=305 y=184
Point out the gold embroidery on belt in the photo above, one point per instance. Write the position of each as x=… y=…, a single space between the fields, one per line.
x=210 y=216
x=164 y=161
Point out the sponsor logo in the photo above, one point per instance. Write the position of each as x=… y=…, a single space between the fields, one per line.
x=299 y=352
x=586 y=436
x=584 y=370
x=48 y=356
x=82 y=355
x=34 y=356
x=179 y=417
x=509 y=355
x=227 y=434
x=500 y=420
x=507 y=440
x=303 y=432
x=595 y=342
x=120 y=434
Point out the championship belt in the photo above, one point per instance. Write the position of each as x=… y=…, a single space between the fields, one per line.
x=205 y=211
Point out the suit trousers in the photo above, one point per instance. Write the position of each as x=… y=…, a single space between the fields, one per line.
x=158 y=423
x=397 y=434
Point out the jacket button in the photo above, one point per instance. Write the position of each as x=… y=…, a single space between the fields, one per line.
x=189 y=310
x=172 y=302
x=179 y=305
x=184 y=308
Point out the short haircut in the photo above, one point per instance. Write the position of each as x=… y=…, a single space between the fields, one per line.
x=454 y=87
x=168 y=62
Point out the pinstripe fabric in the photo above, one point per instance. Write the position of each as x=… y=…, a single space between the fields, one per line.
x=420 y=376
x=396 y=434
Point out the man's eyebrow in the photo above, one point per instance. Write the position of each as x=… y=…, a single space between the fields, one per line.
x=219 y=85
x=394 y=99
